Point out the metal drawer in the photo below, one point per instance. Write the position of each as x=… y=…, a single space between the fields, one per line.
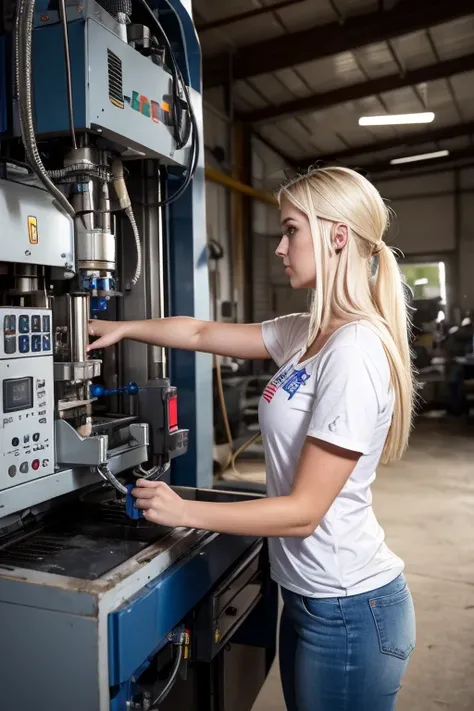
x=222 y=613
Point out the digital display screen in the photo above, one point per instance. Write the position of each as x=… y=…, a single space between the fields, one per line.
x=17 y=394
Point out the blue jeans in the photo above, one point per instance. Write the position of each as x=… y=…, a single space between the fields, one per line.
x=349 y=653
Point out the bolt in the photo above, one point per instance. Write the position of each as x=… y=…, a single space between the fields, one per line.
x=27 y=253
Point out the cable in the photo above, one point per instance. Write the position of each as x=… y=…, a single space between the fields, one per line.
x=180 y=140
x=23 y=44
x=136 y=236
x=233 y=455
x=153 y=474
x=172 y=678
x=109 y=477
x=67 y=59
x=123 y=196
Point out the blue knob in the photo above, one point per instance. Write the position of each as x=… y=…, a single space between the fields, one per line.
x=133 y=389
x=98 y=303
x=97 y=390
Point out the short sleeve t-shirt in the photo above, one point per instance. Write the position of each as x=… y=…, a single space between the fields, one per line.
x=342 y=396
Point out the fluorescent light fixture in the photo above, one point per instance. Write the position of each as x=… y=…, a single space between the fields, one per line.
x=421 y=156
x=420 y=282
x=396 y=119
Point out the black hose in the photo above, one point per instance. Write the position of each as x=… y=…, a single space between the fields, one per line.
x=23 y=71
x=67 y=59
x=180 y=140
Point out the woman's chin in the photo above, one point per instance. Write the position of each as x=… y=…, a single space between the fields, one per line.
x=296 y=283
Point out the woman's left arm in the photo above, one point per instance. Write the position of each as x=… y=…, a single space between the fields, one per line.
x=322 y=473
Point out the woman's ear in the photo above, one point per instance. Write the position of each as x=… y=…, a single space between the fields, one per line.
x=339 y=236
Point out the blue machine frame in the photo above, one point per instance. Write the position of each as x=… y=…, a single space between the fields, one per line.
x=188 y=276
x=189 y=292
x=84 y=643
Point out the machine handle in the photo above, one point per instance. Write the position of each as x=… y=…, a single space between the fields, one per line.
x=131 y=506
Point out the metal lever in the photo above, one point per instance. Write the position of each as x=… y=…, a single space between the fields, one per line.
x=152 y=474
x=106 y=474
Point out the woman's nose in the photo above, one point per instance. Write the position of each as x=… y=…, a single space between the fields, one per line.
x=282 y=249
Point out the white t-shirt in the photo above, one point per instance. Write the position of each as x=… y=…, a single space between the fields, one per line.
x=342 y=396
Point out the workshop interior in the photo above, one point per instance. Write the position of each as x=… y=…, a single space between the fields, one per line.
x=141 y=145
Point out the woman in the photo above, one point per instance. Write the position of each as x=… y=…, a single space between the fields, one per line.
x=341 y=401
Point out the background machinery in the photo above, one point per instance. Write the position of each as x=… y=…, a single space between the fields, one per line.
x=102 y=215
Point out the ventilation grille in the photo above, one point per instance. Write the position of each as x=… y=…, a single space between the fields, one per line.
x=114 y=64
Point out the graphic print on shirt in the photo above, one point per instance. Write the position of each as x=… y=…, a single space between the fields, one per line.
x=290 y=379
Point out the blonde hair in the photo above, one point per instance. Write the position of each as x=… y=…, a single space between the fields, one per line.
x=340 y=195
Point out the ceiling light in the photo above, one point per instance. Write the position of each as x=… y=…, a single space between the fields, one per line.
x=421 y=156
x=396 y=119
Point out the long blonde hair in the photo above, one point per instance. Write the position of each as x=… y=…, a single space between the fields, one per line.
x=340 y=195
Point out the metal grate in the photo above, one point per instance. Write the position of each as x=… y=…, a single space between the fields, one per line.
x=114 y=66
x=34 y=550
x=84 y=542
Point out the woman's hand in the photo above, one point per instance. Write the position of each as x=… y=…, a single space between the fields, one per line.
x=107 y=333
x=160 y=504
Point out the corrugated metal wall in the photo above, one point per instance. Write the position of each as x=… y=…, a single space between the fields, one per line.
x=435 y=218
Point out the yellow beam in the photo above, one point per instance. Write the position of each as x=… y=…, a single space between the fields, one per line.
x=215 y=176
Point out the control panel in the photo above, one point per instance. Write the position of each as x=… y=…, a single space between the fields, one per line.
x=26 y=332
x=26 y=396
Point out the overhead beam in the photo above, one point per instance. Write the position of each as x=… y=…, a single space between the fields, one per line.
x=425 y=170
x=332 y=38
x=385 y=167
x=249 y=15
x=361 y=90
x=414 y=139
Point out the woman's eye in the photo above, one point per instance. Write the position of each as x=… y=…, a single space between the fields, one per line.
x=290 y=231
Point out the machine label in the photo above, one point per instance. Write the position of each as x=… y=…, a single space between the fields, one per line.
x=159 y=112
x=32 y=229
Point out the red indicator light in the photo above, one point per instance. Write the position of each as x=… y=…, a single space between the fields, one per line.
x=173 y=413
x=35 y=464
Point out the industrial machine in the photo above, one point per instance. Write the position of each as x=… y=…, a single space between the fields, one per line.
x=102 y=215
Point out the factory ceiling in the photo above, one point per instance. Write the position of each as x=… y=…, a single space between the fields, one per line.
x=302 y=72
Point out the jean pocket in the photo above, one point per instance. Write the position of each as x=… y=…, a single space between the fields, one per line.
x=394 y=617
x=324 y=611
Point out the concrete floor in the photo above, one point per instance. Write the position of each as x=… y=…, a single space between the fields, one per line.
x=426 y=504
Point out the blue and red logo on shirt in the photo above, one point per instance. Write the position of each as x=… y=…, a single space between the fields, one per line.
x=290 y=379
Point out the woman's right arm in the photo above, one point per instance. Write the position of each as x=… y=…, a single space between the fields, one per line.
x=233 y=340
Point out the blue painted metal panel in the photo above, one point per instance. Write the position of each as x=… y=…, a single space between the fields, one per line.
x=189 y=296
x=49 y=79
x=138 y=629
x=189 y=278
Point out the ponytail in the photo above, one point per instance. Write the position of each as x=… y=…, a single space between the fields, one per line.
x=390 y=301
